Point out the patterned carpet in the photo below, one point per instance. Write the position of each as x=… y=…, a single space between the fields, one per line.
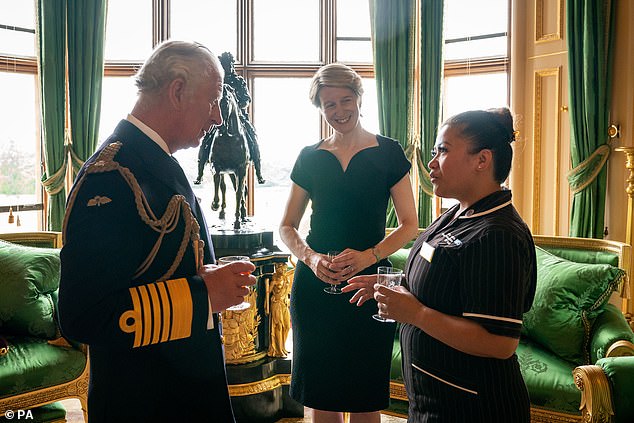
x=75 y=415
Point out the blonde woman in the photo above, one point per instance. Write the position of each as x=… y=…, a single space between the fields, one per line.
x=341 y=356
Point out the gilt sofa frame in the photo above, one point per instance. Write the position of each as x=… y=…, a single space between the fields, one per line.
x=77 y=388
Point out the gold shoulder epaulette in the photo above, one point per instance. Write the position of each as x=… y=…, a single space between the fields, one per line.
x=105 y=160
x=162 y=225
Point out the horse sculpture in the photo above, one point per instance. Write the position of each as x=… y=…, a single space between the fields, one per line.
x=229 y=155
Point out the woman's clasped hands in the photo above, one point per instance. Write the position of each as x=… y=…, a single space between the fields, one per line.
x=336 y=267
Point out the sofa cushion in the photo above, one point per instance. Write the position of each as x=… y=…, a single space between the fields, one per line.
x=29 y=277
x=548 y=378
x=399 y=258
x=585 y=256
x=568 y=298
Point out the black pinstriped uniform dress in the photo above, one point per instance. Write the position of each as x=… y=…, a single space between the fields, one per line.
x=482 y=268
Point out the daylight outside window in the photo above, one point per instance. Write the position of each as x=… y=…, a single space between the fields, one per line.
x=469 y=41
x=277 y=69
x=20 y=191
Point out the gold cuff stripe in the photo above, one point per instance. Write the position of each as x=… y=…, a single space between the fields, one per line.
x=182 y=308
x=161 y=312
x=147 y=315
x=167 y=312
x=156 y=313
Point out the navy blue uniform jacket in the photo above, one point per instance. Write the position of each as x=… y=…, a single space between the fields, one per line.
x=152 y=357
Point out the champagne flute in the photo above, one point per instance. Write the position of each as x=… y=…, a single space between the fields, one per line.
x=332 y=289
x=230 y=259
x=390 y=277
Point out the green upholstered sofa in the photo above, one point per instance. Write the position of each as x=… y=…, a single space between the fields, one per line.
x=38 y=367
x=576 y=341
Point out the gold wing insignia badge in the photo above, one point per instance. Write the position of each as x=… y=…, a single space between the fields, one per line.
x=98 y=201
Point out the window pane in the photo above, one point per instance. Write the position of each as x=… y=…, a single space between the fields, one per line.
x=286 y=121
x=353 y=18
x=279 y=148
x=188 y=159
x=278 y=38
x=353 y=51
x=469 y=92
x=459 y=23
x=129 y=30
x=212 y=23
x=369 y=106
x=23 y=221
x=19 y=14
x=19 y=154
x=490 y=47
x=353 y=23
x=117 y=99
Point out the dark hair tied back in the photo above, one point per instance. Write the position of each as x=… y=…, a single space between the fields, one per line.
x=488 y=129
x=502 y=117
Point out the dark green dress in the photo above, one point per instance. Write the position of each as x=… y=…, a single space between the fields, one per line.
x=341 y=355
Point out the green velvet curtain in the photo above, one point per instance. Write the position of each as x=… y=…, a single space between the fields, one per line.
x=590 y=28
x=395 y=33
x=86 y=36
x=392 y=42
x=430 y=99
x=51 y=40
x=73 y=29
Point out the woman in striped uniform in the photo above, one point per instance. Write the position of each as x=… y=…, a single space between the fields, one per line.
x=470 y=277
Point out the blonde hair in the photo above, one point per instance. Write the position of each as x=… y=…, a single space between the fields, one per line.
x=334 y=75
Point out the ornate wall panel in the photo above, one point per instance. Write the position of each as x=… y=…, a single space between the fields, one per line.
x=546 y=156
x=549 y=20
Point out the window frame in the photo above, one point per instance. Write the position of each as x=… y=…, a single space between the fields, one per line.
x=251 y=69
x=26 y=65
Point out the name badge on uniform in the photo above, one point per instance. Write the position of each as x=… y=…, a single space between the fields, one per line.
x=427 y=251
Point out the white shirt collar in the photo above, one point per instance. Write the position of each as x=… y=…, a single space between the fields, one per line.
x=152 y=134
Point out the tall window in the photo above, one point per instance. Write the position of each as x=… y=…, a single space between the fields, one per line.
x=20 y=193
x=277 y=61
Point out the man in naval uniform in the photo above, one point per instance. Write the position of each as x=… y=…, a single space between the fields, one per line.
x=138 y=283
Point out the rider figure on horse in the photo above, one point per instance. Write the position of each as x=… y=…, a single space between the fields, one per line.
x=241 y=92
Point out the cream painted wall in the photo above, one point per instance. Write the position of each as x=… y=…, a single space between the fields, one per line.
x=539 y=100
x=622 y=113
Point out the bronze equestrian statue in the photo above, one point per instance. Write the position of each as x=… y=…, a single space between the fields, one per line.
x=230 y=155
x=243 y=98
x=223 y=146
